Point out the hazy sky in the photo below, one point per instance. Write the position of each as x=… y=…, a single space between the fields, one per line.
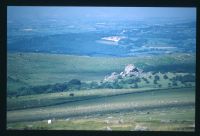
x=100 y=12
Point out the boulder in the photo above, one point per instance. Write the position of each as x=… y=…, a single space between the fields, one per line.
x=129 y=68
x=129 y=71
x=112 y=77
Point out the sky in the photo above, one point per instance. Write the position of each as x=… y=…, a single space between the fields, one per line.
x=100 y=12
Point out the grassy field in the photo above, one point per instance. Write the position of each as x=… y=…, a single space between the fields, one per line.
x=156 y=121
x=25 y=69
x=147 y=107
x=154 y=110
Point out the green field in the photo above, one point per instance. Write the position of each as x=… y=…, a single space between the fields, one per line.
x=167 y=109
x=148 y=107
x=25 y=69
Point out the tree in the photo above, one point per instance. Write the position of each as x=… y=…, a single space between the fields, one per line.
x=157 y=77
x=144 y=79
x=75 y=82
x=188 y=78
x=59 y=87
x=165 y=77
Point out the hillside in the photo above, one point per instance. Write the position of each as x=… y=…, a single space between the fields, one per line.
x=37 y=69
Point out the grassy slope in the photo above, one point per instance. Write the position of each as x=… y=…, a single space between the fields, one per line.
x=40 y=100
x=108 y=103
x=128 y=107
x=41 y=69
x=154 y=121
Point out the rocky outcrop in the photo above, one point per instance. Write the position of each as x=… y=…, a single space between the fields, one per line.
x=112 y=77
x=129 y=71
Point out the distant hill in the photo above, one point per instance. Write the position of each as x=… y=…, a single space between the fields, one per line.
x=109 y=39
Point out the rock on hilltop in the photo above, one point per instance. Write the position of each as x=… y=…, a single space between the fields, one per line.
x=129 y=71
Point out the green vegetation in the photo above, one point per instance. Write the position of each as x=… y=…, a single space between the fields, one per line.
x=150 y=109
x=73 y=93
x=152 y=121
x=38 y=69
x=185 y=80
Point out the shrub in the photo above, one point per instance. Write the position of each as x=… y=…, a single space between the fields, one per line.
x=71 y=94
x=144 y=79
x=106 y=85
x=157 y=77
x=185 y=78
x=94 y=85
x=174 y=84
x=165 y=77
x=75 y=82
x=188 y=78
x=59 y=87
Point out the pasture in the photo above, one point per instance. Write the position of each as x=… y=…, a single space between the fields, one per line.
x=146 y=108
x=154 y=110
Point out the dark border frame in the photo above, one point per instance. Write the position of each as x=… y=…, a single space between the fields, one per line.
x=111 y=3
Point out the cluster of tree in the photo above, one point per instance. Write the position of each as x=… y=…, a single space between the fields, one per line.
x=185 y=78
x=73 y=84
x=76 y=84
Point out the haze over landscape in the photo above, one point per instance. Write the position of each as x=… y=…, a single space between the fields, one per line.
x=137 y=30
x=101 y=68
